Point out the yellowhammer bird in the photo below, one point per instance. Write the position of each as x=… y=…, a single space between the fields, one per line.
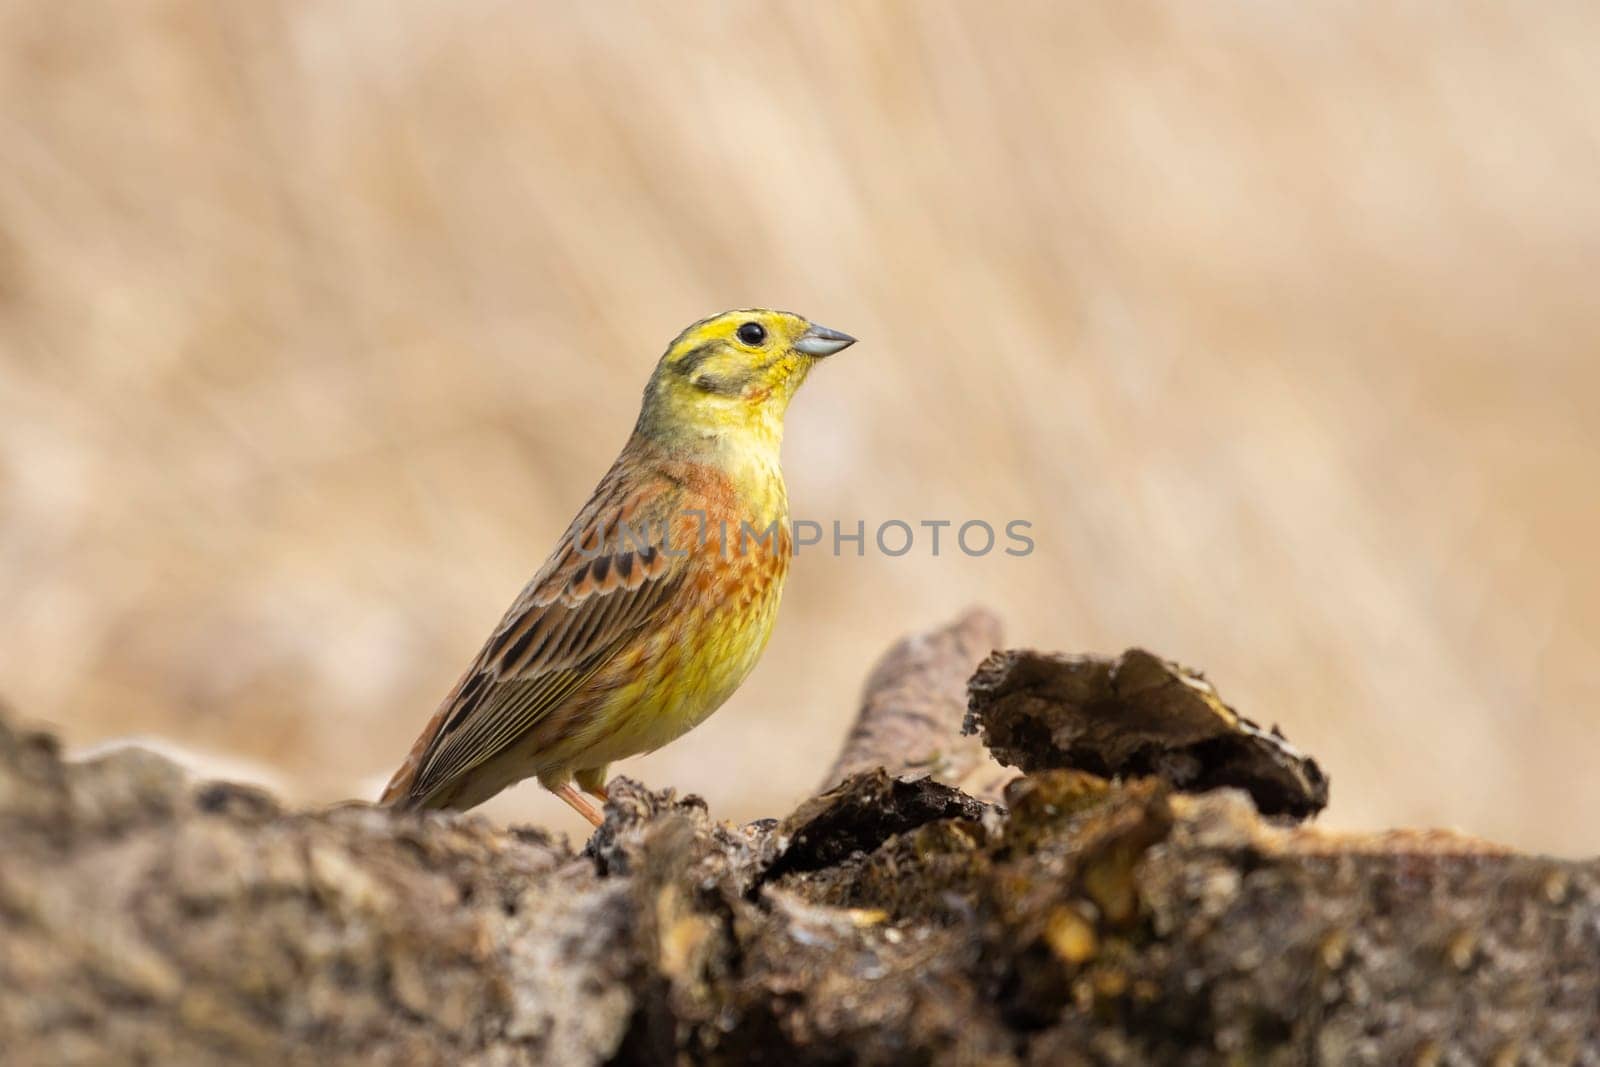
x=660 y=596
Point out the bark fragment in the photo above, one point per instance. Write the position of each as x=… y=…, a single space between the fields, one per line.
x=1135 y=715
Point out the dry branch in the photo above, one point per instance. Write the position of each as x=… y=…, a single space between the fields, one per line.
x=912 y=707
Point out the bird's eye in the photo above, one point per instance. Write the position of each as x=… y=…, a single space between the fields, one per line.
x=752 y=333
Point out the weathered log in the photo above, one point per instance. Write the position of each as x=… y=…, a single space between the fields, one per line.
x=148 y=918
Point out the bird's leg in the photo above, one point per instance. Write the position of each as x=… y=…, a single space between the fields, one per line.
x=579 y=803
x=592 y=780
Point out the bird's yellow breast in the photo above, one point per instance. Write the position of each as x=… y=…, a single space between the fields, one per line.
x=736 y=529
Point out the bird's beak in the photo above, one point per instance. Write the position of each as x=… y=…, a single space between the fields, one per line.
x=821 y=341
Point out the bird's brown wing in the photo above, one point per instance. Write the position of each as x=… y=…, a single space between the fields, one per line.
x=606 y=580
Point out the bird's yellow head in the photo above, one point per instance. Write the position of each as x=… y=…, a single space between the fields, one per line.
x=732 y=376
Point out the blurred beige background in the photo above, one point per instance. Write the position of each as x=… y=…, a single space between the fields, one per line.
x=318 y=321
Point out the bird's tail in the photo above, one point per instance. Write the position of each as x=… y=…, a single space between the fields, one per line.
x=401 y=792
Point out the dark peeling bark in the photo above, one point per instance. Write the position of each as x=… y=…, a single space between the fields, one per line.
x=1145 y=918
x=1131 y=716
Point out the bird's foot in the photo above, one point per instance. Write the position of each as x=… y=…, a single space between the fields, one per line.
x=580 y=803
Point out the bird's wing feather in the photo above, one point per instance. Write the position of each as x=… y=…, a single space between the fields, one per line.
x=606 y=580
